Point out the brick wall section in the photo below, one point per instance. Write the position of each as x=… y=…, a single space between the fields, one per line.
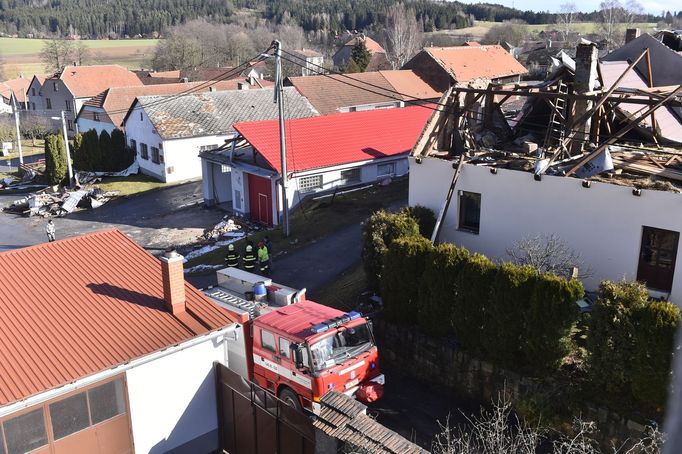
x=173 y=282
x=442 y=362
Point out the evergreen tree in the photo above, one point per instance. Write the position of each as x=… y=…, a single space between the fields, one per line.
x=55 y=159
x=77 y=152
x=92 y=156
x=107 y=160
x=361 y=55
x=118 y=146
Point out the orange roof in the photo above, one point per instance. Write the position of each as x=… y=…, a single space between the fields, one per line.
x=466 y=63
x=329 y=93
x=88 y=81
x=372 y=45
x=81 y=305
x=18 y=86
x=170 y=74
x=116 y=101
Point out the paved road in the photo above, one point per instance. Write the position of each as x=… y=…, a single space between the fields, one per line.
x=155 y=220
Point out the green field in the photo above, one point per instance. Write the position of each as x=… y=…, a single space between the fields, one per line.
x=22 y=55
x=481 y=27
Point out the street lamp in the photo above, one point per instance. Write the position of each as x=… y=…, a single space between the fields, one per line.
x=66 y=144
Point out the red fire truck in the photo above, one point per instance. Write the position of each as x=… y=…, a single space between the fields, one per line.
x=297 y=349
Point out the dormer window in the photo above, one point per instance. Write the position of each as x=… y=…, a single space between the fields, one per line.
x=96 y=116
x=55 y=86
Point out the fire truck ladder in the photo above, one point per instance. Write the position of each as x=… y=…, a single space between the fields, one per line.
x=448 y=198
x=557 y=121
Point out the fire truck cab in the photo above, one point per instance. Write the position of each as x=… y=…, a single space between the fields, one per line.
x=298 y=349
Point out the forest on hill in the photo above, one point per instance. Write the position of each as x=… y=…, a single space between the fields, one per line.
x=150 y=18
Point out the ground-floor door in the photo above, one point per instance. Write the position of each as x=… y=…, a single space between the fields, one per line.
x=260 y=199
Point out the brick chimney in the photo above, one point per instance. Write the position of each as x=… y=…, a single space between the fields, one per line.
x=630 y=34
x=585 y=81
x=173 y=282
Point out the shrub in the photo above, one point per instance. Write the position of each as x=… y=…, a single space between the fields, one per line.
x=424 y=216
x=403 y=267
x=550 y=316
x=379 y=231
x=654 y=342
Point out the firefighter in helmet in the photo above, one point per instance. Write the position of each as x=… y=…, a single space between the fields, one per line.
x=249 y=259
x=263 y=258
x=232 y=257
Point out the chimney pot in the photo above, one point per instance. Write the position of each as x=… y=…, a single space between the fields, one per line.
x=172 y=274
x=631 y=33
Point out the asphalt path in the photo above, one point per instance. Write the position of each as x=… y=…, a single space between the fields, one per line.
x=156 y=219
x=8 y=164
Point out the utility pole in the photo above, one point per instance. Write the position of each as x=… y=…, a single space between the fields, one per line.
x=68 y=153
x=279 y=98
x=16 y=122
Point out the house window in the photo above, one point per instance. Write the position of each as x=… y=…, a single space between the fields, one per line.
x=141 y=118
x=69 y=415
x=207 y=148
x=55 y=86
x=351 y=175
x=657 y=256
x=26 y=432
x=237 y=200
x=469 y=211
x=386 y=170
x=308 y=184
x=48 y=103
x=68 y=105
x=284 y=348
x=33 y=91
x=155 y=155
x=144 y=152
x=133 y=145
x=95 y=116
x=69 y=124
x=267 y=340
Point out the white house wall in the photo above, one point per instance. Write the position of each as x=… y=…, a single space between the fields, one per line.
x=86 y=124
x=216 y=182
x=173 y=400
x=182 y=155
x=603 y=223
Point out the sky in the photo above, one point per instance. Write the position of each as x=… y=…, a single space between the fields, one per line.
x=650 y=6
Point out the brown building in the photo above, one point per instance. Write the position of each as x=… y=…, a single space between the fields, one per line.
x=379 y=59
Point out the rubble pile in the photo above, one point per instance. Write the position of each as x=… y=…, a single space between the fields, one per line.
x=60 y=203
x=226 y=226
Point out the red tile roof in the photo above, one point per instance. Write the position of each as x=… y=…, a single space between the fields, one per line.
x=465 y=63
x=329 y=93
x=18 y=86
x=338 y=139
x=117 y=101
x=371 y=45
x=88 y=81
x=77 y=306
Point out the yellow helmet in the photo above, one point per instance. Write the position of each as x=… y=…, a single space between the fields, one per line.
x=249 y=248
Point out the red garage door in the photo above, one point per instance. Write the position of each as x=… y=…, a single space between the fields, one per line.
x=260 y=199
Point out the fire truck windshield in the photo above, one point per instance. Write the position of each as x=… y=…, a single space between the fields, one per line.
x=345 y=343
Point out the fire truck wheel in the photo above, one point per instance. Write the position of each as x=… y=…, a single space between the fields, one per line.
x=290 y=398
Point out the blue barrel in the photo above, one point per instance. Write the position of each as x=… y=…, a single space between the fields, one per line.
x=260 y=292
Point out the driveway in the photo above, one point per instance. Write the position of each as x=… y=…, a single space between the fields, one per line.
x=156 y=220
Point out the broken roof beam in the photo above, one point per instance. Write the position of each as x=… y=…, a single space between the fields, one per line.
x=622 y=132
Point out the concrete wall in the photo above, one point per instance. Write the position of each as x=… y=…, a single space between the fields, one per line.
x=216 y=183
x=173 y=401
x=603 y=223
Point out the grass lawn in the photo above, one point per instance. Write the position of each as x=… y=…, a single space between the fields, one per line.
x=132 y=185
x=23 y=46
x=316 y=218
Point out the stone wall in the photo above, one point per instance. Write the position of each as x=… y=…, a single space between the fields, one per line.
x=442 y=362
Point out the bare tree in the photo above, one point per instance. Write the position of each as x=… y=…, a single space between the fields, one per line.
x=548 y=254
x=612 y=15
x=565 y=18
x=633 y=9
x=56 y=54
x=513 y=32
x=81 y=54
x=403 y=34
x=500 y=431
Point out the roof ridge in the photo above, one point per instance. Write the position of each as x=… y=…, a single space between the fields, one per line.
x=63 y=241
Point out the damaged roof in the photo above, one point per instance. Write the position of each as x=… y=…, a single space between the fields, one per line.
x=215 y=113
x=344 y=138
x=465 y=63
x=77 y=306
x=88 y=81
